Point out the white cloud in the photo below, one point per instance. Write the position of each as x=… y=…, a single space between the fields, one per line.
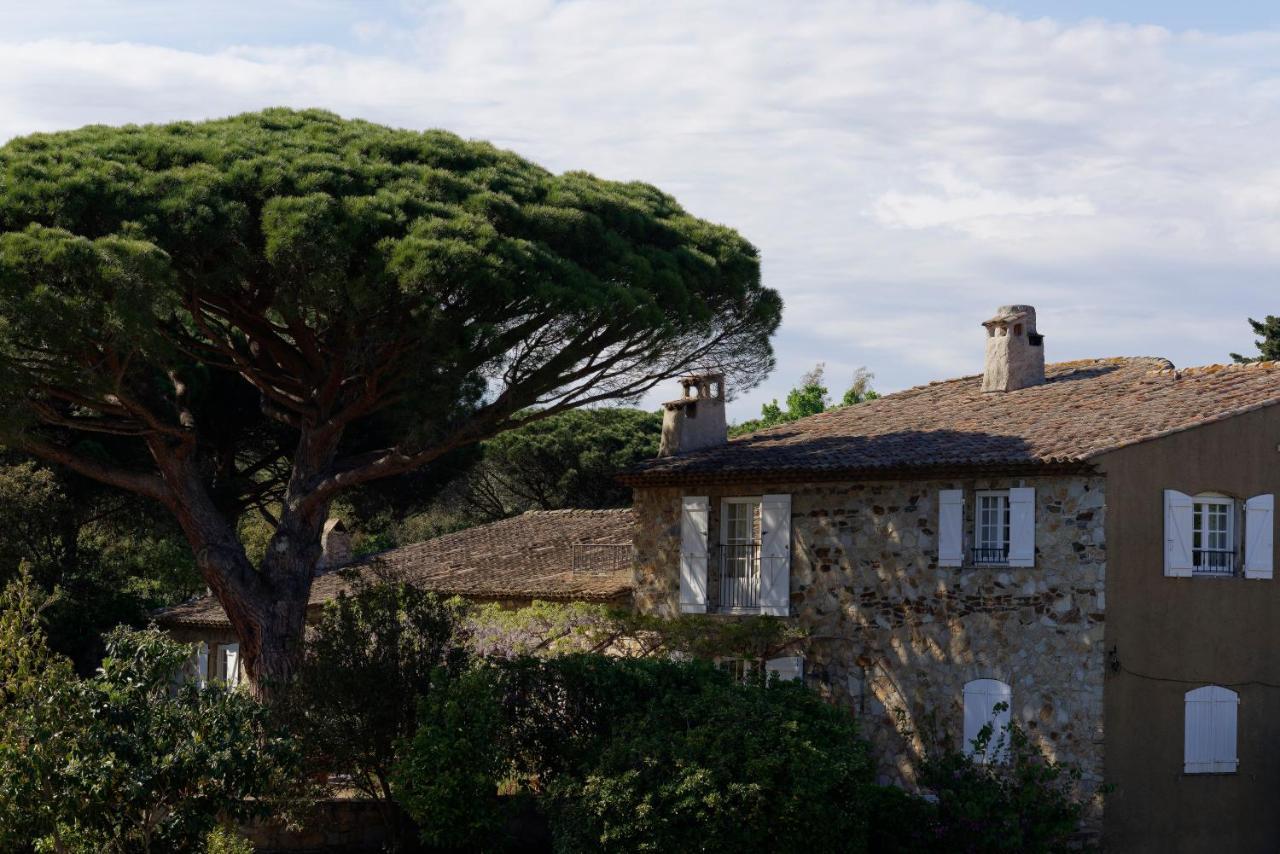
x=904 y=167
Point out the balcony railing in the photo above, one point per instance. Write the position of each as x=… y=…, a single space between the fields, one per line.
x=740 y=577
x=1213 y=562
x=987 y=557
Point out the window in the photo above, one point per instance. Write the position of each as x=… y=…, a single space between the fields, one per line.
x=229 y=666
x=1212 y=536
x=202 y=664
x=991 y=528
x=740 y=532
x=986 y=703
x=1209 y=744
x=786 y=668
x=753 y=556
x=1004 y=528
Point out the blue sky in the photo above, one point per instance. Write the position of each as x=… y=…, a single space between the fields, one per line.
x=904 y=167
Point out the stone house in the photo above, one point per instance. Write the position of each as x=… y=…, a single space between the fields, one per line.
x=549 y=555
x=1088 y=543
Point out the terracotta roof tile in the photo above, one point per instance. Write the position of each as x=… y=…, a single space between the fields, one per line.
x=553 y=554
x=1083 y=409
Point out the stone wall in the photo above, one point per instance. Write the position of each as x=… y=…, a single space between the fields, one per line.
x=894 y=636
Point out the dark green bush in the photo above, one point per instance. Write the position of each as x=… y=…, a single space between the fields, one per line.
x=1026 y=803
x=448 y=779
x=125 y=761
x=371 y=658
x=647 y=755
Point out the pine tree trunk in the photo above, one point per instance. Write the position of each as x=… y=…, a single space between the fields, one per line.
x=266 y=605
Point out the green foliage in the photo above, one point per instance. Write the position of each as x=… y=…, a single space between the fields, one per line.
x=448 y=779
x=225 y=841
x=860 y=390
x=809 y=398
x=1269 y=347
x=1024 y=803
x=139 y=266
x=567 y=460
x=274 y=309
x=125 y=761
x=372 y=657
x=102 y=558
x=560 y=628
x=654 y=754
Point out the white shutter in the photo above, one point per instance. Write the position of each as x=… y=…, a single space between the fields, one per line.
x=231 y=664
x=775 y=555
x=981 y=696
x=789 y=667
x=1177 y=533
x=950 y=527
x=1226 y=706
x=976 y=712
x=1022 y=527
x=202 y=664
x=1258 y=526
x=1209 y=737
x=693 y=554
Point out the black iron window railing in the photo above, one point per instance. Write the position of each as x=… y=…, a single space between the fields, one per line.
x=740 y=577
x=1213 y=561
x=983 y=557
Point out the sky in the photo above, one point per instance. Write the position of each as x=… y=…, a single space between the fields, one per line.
x=903 y=167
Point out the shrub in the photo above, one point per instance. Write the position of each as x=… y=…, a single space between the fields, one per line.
x=638 y=755
x=1025 y=804
x=124 y=760
x=369 y=661
x=448 y=778
x=224 y=841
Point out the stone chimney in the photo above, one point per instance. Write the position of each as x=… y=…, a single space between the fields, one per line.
x=696 y=420
x=1015 y=351
x=335 y=544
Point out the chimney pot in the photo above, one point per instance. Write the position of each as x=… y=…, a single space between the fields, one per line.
x=335 y=545
x=697 y=419
x=1015 y=350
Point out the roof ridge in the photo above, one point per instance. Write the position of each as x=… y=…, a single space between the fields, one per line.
x=933 y=385
x=1219 y=367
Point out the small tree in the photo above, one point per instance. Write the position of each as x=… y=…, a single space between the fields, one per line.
x=1268 y=330
x=124 y=761
x=255 y=315
x=860 y=390
x=370 y=660
x=809 y=398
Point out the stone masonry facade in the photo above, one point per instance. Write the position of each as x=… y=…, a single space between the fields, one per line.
x=895 y=637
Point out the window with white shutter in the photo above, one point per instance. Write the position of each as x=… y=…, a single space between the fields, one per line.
x=1209 y=741
x=202 y=664
x=987 y=702
x=1022 y=526
x=950 y=527
x=1259 y=525
x=741 y=549
x=231 y=665
x=693 y=554
x=775 y=555
x=1178 y=513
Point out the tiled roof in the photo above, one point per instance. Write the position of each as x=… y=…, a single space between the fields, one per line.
x=1083 y=409
x=566 y=555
